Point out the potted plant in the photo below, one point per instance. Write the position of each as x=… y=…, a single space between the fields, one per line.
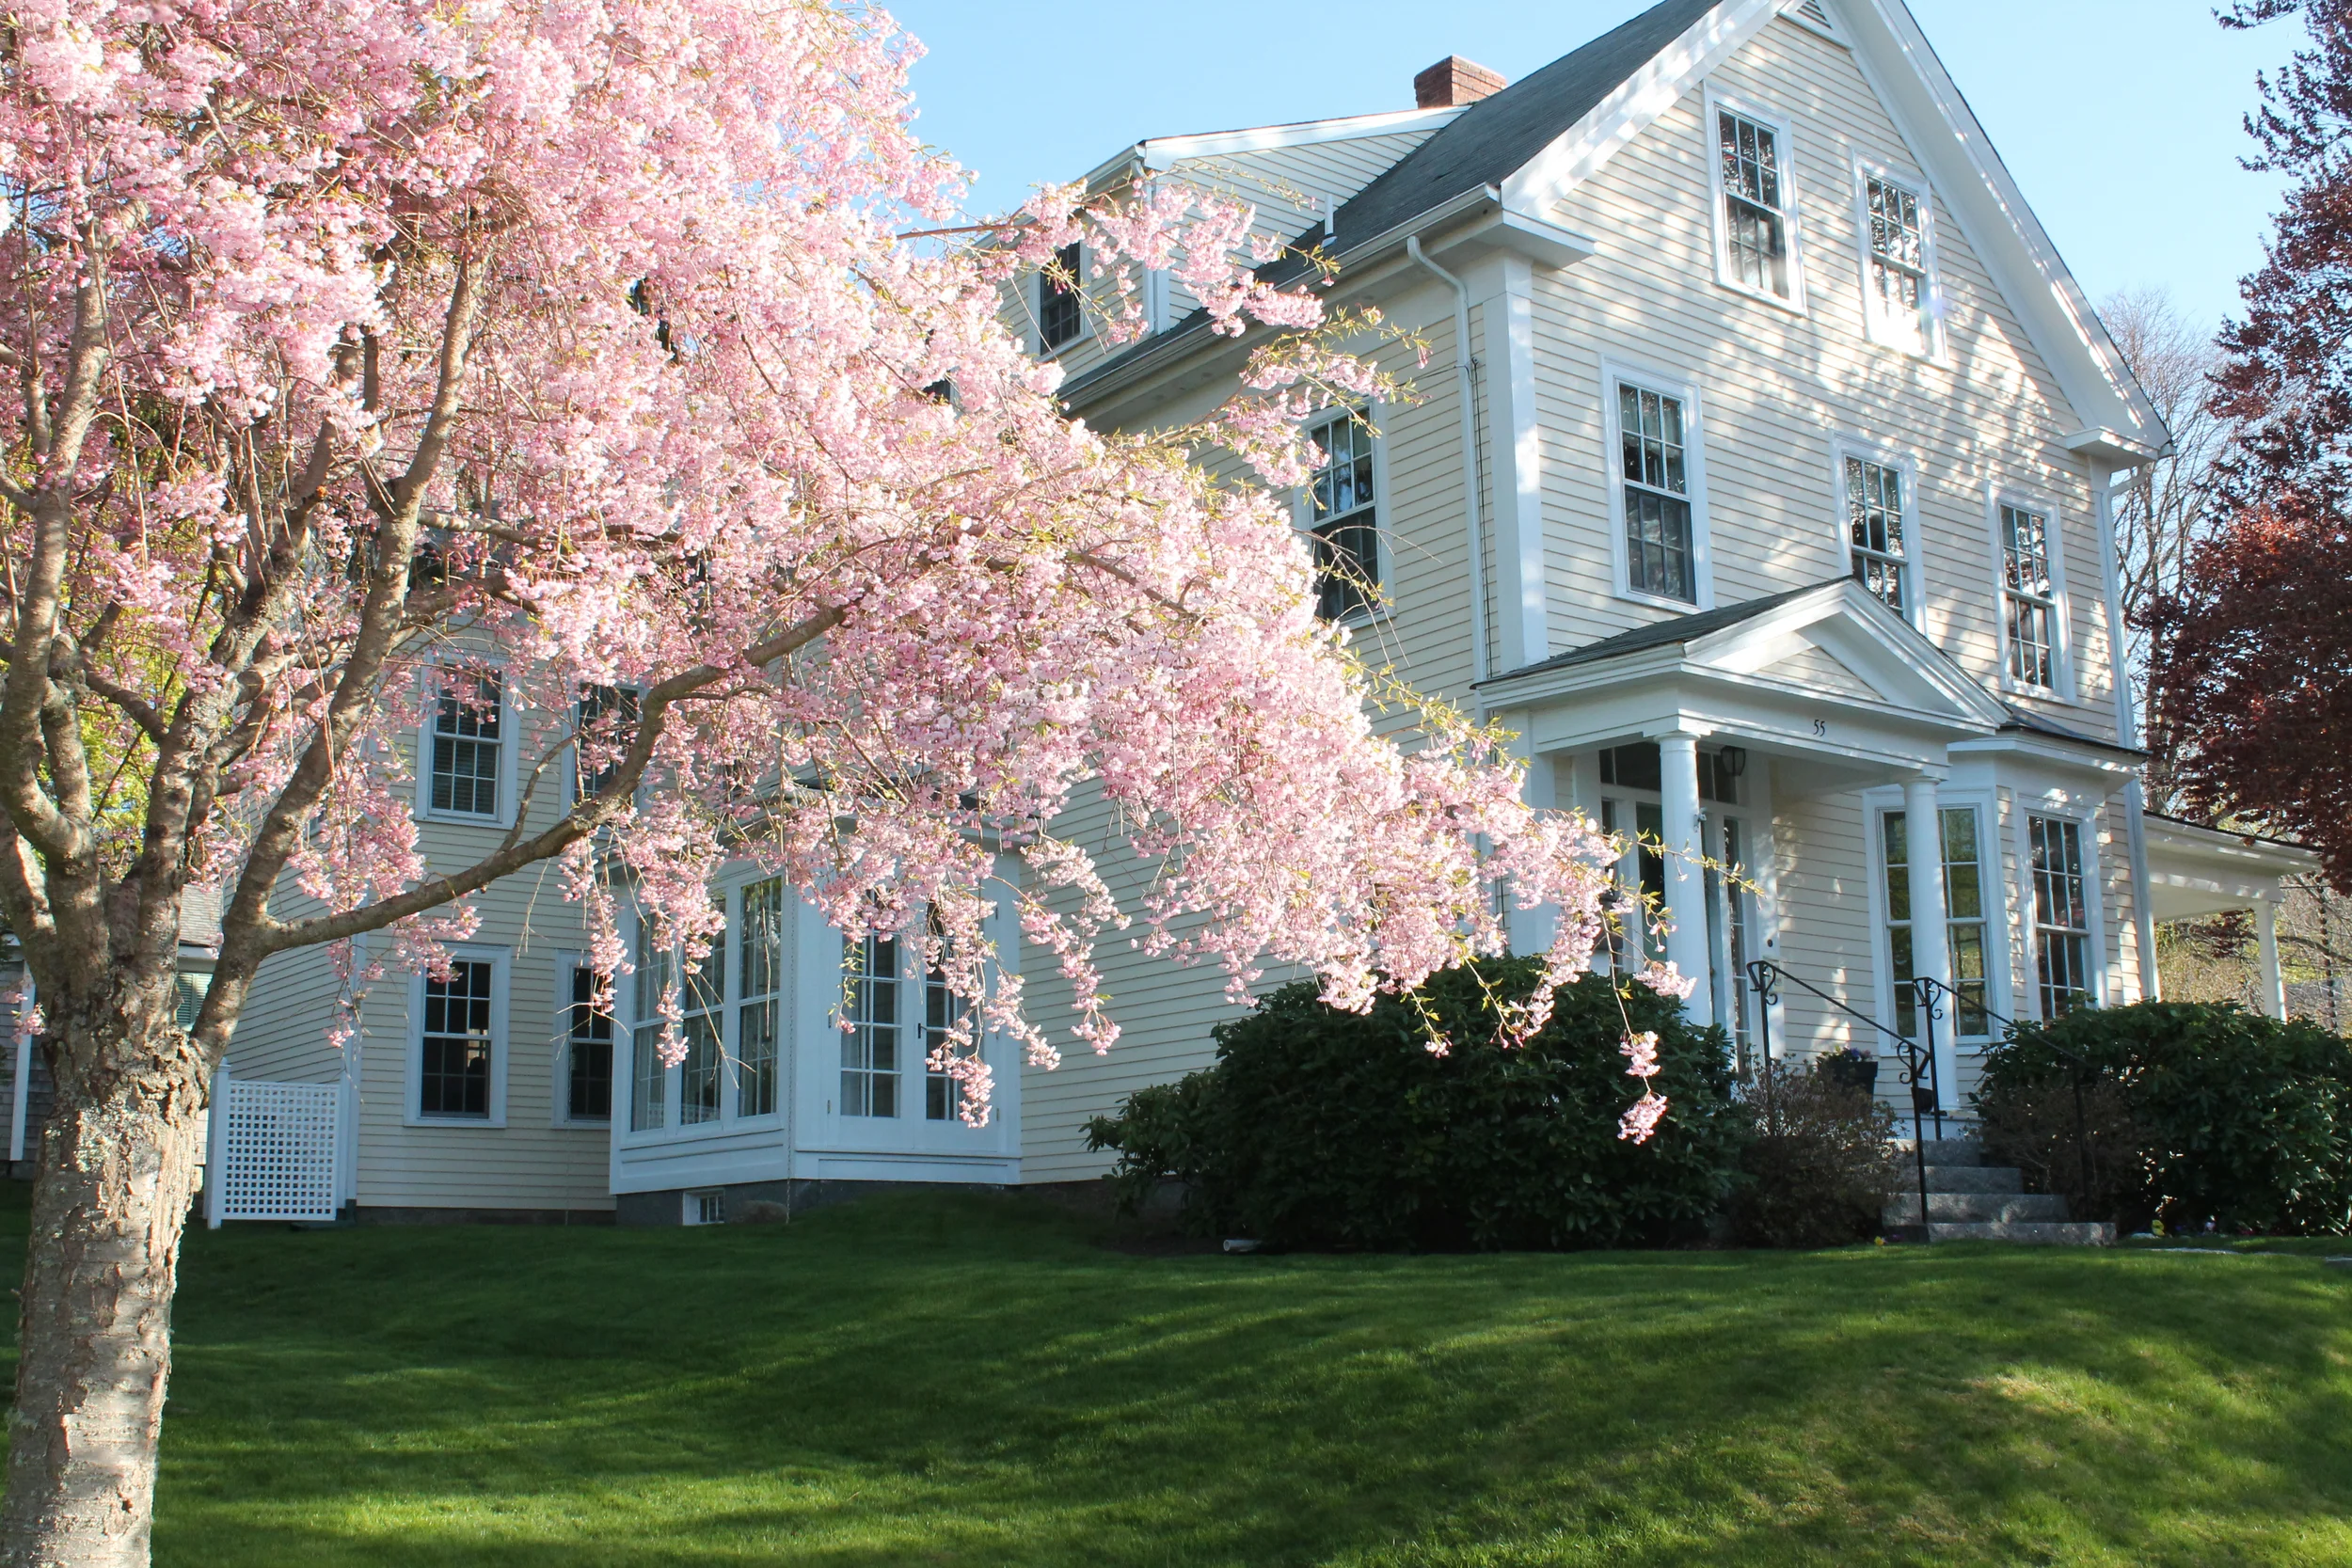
x=1857 y=1069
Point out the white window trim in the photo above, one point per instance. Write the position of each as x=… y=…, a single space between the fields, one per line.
x=501 y=1042
x=2085 y=814
x=1876 y=327
x=1915 y=563
x=1303 y=518
x=509 y=745
x=2061 y=604
x=729 y=885
x=571 y=752
x=560 y=1059
x=1791 y=203
x=1614 y=372
x=1987 y=805
x=1035 y=295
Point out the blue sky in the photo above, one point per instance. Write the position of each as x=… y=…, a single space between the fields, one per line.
x=2119 y=118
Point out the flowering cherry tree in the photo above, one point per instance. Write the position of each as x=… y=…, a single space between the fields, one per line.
x=585 y=340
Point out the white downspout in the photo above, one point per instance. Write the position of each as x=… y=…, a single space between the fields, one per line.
x=1473 y=482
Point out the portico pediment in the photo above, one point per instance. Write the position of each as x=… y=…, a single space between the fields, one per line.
x=1832 y=642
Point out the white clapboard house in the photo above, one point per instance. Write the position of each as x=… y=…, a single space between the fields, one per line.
x=1759 y=477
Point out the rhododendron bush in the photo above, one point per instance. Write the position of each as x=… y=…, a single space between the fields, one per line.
x=363 y=347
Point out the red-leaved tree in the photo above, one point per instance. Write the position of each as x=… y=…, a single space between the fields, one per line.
x=361 y=347
x=2255 y=648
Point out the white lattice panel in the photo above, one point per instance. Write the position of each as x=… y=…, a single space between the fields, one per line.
x=277 y=1150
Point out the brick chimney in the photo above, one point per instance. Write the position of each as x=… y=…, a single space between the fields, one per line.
x=1455 y=81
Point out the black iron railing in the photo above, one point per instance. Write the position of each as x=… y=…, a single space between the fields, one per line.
x=1920 y=1070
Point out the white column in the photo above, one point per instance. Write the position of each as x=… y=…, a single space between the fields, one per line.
x=1686 y=882
x=1533 y=930
x=1930 y=929
x=2274 y=984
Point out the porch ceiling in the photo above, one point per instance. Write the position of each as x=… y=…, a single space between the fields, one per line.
x=2195 y=870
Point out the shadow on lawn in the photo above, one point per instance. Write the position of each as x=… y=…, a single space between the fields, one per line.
x=966 y=1382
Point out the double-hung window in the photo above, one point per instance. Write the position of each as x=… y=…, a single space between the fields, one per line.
x=1965 y=918
x=759 y=948
x=1345 y=506
x=604 y=723
x=2030 y=600
x=1654 y=464
x=456 y=1043
x=649 y=1077
x=944 y=1009
x=869 y=1046
x=1757 y=251
x=1900 y=293
x=1875 y=529
x=587 y=1052
x=704 y=1000
x=1060 y=307
x=467 y=739
x=2061 y=914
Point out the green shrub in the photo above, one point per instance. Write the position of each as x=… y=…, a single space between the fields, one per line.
x=1821 y=1163
x=1319 y=1129
x=2199 y=1114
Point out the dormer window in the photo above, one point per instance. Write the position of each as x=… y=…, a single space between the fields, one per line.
x=1060 y=314
x=1756 y=239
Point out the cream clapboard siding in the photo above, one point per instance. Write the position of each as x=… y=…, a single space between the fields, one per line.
x=1168 y=1010
x=1777 y=389
x=283 y=1036
x=1821 y=868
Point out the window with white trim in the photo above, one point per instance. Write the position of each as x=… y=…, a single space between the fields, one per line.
x=704 y=997
x=944 y=1009
x=2061 y=914
x=1900 y=292
x=869 y=1046
x=759 y=939
x=649 y=1076
x=456 y=1046
x=1964 y=912
x=2030 y=597
x=466 y=738
x=1660 y=552
x=1875 y=529
x=587 y=1050
x=604 y=723
x=1344 y=514
x=1060 y=307
x=1753 y=175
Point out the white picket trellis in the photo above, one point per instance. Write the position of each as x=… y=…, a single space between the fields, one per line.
x=272 y=1151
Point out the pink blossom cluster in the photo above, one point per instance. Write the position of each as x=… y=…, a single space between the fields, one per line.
x=614 y=300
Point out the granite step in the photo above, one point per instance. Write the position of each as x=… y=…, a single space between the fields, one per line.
x=1977 y=1208
x=2027 y=1233
x=1964 y=1179
x=1947 y=1151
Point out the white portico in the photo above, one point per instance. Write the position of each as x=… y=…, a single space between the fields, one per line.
x=2195 y=870
x=1797 y=741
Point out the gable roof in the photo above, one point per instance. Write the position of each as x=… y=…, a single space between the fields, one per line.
x=1660 y=634
x=1497 y=136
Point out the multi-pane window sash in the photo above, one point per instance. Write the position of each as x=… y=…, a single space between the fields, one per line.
x=588 y=1051
x=466 y=745
x=2030 y=596
x=649 y=1080
x=1874 y=512
x=699 y=1074
x=2061 y=914
x=1899 y=262
x=870 y=1047
x=453 y=1078
x=1346 y=520
x=758 y=940
x=942 y=1010
x=1060 y=314
x=1655 y=465
x=1755 y=228
x=603 y=726
x=1963 y=908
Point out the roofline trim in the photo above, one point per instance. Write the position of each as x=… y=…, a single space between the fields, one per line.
x=1160 y=154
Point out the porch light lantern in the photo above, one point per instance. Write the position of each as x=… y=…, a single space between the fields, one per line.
x=1736 y=761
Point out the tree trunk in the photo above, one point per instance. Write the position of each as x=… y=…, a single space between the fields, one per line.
x=117 y=1174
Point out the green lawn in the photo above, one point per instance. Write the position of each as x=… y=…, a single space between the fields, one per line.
x=974 y=1381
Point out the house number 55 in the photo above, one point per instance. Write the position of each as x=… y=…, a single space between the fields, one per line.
x=1820 y=728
